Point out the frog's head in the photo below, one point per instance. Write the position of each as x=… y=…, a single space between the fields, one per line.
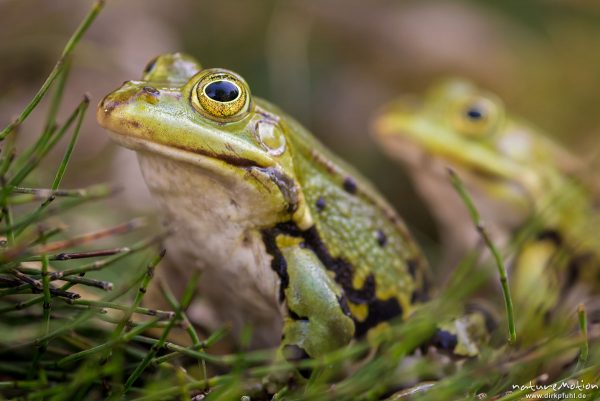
x=208 y=119
x=461 y=126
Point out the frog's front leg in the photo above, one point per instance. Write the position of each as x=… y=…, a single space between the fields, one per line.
x=535 y=283
x=316 y=322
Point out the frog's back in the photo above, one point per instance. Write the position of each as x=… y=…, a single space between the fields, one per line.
x=357 y=235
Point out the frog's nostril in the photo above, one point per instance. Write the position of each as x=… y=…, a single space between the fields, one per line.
x=151 y=90
x=149 y=94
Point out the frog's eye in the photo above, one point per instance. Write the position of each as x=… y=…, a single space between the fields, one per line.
x=150 y=66
x=175 y=68
x=221 y=95
x=477 y=116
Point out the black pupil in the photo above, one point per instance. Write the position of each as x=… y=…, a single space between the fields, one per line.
x=474 y=113
x=222 y=91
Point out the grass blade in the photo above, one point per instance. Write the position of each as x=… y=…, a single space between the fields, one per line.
x=58 y=68
x=466 y=198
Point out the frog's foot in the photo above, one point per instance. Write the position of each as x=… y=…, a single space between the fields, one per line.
x=464 y=336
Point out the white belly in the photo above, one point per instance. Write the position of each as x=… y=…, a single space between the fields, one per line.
x=215 y=234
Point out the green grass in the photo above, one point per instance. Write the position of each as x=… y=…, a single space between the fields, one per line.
x=480 y=227
x=75 y=326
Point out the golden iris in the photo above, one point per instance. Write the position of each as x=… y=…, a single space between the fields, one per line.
x=477 y=116
x=222 y=95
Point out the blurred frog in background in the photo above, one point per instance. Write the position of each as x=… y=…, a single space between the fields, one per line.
x=518 y=177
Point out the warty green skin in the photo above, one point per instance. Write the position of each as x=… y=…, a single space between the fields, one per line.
x=284 y=231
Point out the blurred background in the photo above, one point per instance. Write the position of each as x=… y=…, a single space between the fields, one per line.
x=329 y=63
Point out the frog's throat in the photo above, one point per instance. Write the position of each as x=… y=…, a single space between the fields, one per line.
x=226 y=165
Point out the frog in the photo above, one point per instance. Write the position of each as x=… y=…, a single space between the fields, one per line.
x=290 y=239
x=521 y=182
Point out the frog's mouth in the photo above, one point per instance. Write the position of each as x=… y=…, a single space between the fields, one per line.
x=415 y=140
x=197 y=157
x=431 y=150
x=145 y=119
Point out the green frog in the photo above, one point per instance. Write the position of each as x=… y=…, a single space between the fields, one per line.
x=291 y=240
x=516 y=175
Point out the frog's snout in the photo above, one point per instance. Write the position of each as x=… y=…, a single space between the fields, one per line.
x=112 y=107
x=128 y=92
x=105 y=110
